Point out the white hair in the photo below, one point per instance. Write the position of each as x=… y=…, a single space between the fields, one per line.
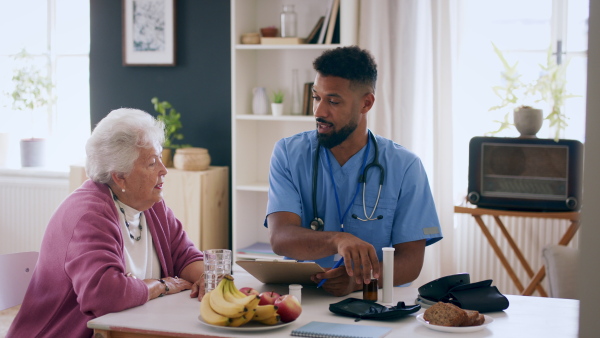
x=116 y=141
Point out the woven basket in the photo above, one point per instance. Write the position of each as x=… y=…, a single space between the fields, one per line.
x=193 y=159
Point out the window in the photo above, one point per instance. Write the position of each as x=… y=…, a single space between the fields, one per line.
x=523 y=31
x=57 y=35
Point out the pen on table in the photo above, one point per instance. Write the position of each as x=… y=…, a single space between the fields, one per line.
x=337 y=265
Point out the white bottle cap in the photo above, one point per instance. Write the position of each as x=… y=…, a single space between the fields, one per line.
x=296 y=291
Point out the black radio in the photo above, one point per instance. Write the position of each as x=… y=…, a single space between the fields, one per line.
x=525 y=174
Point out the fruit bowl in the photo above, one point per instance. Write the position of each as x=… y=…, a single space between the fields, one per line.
x=228 y=307
x=251 y=326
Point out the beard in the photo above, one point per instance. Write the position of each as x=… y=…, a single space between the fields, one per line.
x=337 y=137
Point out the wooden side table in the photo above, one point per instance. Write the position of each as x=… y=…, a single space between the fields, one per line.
x=200 y=200
x=536 y=278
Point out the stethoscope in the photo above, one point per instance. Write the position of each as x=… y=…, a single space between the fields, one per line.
x=317 y=223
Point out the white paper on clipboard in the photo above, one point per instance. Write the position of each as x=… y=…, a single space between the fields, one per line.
x=281 y=272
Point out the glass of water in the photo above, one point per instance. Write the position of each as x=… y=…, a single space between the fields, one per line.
x=217 y=263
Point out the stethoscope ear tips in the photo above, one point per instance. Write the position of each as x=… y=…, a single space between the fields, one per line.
x=380 y=217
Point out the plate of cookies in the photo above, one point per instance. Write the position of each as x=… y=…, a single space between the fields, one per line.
x=448 y=317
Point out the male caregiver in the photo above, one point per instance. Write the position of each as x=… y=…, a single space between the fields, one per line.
x=341 y=191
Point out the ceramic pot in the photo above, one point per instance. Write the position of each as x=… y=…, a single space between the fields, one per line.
x=193 y=159
x=167 y=157
x=528 y=121
x=269 y=32
x=277 y=109
x=260 y=101
x=250 y=38
x=33 y=152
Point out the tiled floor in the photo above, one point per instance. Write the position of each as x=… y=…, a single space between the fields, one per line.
x=6 y=317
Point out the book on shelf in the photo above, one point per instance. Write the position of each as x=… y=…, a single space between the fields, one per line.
x=281 y=41
x=336 y=30
x=323 y=329
x=307 y=100
x=314 y=34
x=335 y=9
x=321 y=39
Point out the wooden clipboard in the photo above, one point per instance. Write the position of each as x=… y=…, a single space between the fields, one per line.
x=281 y=272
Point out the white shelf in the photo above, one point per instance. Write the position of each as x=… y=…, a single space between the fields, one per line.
x=288 y=118
x=258 y=187
x=253 y=257
x=269 y=66
x=258 y=250
x=286 y=47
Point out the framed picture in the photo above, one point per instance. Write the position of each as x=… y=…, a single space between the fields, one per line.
x=148 y=32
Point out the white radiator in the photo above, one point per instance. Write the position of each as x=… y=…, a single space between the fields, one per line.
x=27 y=201
x=475 y=255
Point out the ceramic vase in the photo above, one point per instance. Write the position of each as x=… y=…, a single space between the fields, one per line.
x=260 y=101
x=528 y=121
x=167 y=157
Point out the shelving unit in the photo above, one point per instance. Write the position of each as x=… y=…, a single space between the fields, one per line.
x=270 y=66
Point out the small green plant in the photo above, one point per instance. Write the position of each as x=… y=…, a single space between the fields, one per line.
x=171 y=118
x=550 y=87
x=278 y=97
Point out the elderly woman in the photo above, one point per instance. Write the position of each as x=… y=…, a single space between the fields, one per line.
x=112 y=244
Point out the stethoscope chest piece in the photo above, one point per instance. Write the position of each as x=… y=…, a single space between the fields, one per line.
x=317 y=224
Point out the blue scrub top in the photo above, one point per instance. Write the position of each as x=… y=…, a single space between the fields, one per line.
x=406 y=202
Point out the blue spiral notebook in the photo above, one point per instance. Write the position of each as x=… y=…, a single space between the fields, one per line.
x=336 y=330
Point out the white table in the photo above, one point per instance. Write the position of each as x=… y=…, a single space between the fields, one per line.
x=177 y=315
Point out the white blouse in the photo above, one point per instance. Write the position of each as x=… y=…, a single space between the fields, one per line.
x=141 y=259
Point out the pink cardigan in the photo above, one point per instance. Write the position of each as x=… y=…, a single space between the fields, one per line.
x=80 y=274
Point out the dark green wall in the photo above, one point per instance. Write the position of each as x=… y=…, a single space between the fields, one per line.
x=199 y=86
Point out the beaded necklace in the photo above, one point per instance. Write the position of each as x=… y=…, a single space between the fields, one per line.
x=125 y=218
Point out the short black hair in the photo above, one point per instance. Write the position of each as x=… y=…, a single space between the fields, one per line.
x=351 y=63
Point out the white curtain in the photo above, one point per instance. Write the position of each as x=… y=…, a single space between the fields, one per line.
x=413 y=42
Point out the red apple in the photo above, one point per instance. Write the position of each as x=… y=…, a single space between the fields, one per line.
x=249 y=291
x=267 y=298
x=288 y=308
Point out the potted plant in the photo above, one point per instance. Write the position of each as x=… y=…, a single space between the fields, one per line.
x=32 y=93
x=521 y=97
x=277 y=104
x=171 y=118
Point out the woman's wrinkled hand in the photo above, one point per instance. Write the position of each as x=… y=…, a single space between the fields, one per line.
x=176 y=285
x=198 y=288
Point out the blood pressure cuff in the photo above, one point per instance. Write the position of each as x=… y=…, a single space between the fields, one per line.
x=365 y=309
x=457 y=289
x=480 y=296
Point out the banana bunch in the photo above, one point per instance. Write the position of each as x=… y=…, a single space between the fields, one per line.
x=228 y=306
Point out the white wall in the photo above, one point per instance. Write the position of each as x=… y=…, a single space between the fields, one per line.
x=589 y=281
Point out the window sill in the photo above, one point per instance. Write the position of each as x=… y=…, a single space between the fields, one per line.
x=40 y=172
